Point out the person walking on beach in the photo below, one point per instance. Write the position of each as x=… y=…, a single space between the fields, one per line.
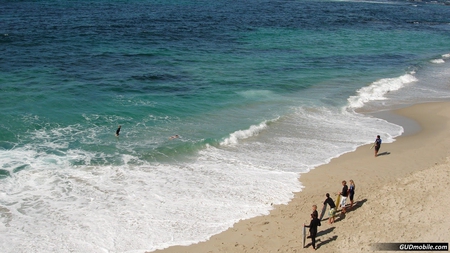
x=344 y=194
x=351 y=192
x=377 y=145
x=332 y=211
x=315 y=222
x=118 y=131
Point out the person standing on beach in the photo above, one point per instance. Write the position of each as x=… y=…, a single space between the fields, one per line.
x=315 y=222
x=315 y=213
x=332 y=211
x=351 y=192
x=377 y=145
x=118 y=131
x=344 y=194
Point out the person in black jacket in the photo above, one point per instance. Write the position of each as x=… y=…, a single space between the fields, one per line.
x=315 y=222
x=332 y=211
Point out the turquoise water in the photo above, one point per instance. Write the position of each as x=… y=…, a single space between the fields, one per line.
x=258 y=91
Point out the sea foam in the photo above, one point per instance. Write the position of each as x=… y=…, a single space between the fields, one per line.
x=377 y=90
x=244 y=134
x=437 y=61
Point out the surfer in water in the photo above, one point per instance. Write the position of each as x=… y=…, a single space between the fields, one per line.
x=377 y=145
x=118 y=131
x=174 y=137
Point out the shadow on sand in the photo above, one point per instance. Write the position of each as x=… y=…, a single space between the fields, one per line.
x=320 y=242
x=326 y=231
x=384 y=153
x=322 y=233
x=356 y=205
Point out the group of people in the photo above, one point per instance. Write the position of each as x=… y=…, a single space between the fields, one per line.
x=346 y=192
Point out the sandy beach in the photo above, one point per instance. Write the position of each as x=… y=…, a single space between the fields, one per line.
x=401 y=196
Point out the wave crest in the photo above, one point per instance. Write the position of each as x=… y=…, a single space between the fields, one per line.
x=437 y=61
x=254 y=130
x=377 y=90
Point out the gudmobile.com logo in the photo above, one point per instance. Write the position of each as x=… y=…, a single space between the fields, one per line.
x=416 y=246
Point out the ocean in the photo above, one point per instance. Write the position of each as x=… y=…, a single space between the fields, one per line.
x=258 y=91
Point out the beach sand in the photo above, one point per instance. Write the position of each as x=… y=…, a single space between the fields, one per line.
x=401 y=196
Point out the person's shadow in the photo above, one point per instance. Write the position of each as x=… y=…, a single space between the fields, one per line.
x=320 y=233
x=318 y=245
x=384 y=153
x=326 y=231
x=339 y=217
x=356 y=205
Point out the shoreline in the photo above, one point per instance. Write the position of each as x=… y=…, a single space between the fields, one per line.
x=422 y=151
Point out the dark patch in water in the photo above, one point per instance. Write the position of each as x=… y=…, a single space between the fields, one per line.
x=20 y=168
x=158 y=77
x=4 y=174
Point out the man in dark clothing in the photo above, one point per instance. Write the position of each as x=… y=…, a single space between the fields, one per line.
x=313 y=229
x=332 y=211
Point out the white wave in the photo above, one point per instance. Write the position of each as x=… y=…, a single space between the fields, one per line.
x=378 y=90
x=244 y=134
x=91 y=208
x=85 y=207
x=12 y=160
x=446 y=56
x=437 y=61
